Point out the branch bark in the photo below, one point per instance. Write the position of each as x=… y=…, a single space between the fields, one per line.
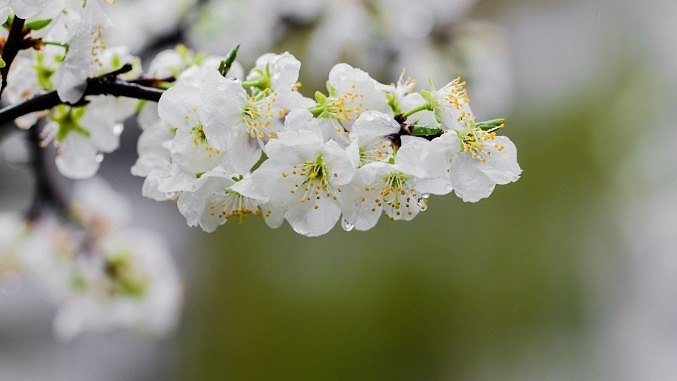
x=46 y=192
x=15 y=42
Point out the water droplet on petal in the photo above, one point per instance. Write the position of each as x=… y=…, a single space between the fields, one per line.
x=346 y=225
x=10 y=282
x=117 y=129
x=99 y=158
x=423 y=203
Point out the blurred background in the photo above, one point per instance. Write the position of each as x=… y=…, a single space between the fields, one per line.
x=568 y=274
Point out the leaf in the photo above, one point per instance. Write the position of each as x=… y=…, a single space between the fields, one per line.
x=37 y=24
x=425 y=131
x=224 y=68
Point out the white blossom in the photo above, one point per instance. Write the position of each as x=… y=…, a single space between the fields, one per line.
x=83 y=134
x=480 y=160
x=218 y=196
x=131 y=283
x=399 y=188
x=305 y=177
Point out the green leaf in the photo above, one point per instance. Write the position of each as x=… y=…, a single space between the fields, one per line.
x=224 y=68
x=37 y=24
x=425 y=131
x=2 y=63
x=491 y=125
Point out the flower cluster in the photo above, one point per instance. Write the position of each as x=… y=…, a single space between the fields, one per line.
x=103 y=274
x=227 y=146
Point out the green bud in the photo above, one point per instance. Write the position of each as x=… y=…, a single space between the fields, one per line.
x=320 y=98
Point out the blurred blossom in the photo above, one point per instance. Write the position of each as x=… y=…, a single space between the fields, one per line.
x=11 y=227
x=641 y=319
x=419 y=29
x=137 y=22
x=101 y=274
x=132 y=284
x=224 y=23
x=433 y=37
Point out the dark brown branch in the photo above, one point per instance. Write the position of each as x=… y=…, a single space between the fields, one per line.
x=107 y=84
x=15 y=42
x=46 y=192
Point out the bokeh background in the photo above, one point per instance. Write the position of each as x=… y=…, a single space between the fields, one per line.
x=569 y=274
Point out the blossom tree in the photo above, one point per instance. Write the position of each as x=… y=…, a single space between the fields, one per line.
x=223 y=143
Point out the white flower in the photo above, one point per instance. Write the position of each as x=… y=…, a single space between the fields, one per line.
x=133 y=26
x=280 y=74
x=305 y=177
x=82 y=134
x=102 y=277
x=222 y=24
x=85 y=27
x=191 y=153
x=236 y=122
x=479 y=161
x=202 y=67
x=218 y=197
x=12 y=229
x=114 y=58
x=351 y=92
x=48 y=254
x=154 y=160
x=24 y=9
x=99 y=208
x=22 y=85
x=131 y=282
x=452 y=105
x=371 y=134
x=400 y=188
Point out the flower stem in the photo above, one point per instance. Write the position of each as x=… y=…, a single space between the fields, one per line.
x=54 y=43
x=423 y=107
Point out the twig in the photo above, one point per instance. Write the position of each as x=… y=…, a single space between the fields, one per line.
x=107 y=84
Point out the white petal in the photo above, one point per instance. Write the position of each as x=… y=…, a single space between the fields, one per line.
x=340 y=165
x=306 y=220
x=4 y=10
x=242 y=151
x=26 y=9
x=222 y=105
x=375 y=123
x=178 y=106
x=285 y=71
x=502 y=166
x=77 y=157
x=468 y=181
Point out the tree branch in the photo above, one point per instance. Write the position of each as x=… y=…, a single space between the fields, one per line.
x=46 y=191
x=107 y=84
x=15 y=42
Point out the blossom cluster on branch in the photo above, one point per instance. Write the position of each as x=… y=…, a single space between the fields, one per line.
x=230 y=146
x=222 y=143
